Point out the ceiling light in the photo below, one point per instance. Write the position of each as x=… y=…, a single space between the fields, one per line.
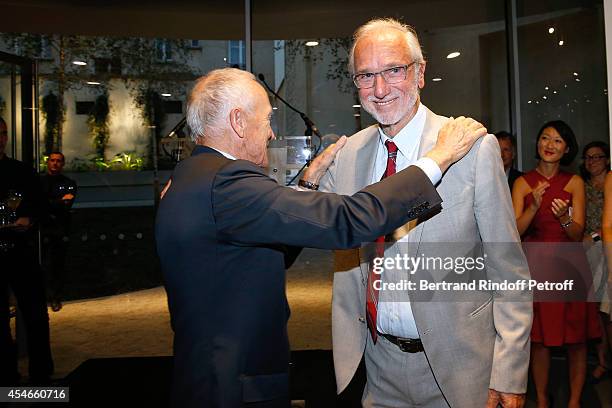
x=575 y=74
x=312 y=43
x=275 y=108
x=436 y=79
x=546 y=88
x=356 y=106
x=79 y=63
x=554 y=92
x=356 y=114
x=453 y=54
x=561 y=42
x=528 y=101
x=551 y=30
x=544 y=97
x=92 y=83
x=577 y=79
x=166 y=94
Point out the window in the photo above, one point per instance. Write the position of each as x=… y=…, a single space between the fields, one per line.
x=163 y=50
x=108 y=66
x=45 y=48
x=194 y=44
x=236 y=55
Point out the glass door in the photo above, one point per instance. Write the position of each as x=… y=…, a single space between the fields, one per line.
x=18 y=107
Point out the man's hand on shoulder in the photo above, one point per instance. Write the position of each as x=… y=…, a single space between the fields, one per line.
x=455 y=139
x=505 y=399
x=319 y=165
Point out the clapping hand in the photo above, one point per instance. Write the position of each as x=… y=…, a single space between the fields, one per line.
x=559 y=207
x=537 y=193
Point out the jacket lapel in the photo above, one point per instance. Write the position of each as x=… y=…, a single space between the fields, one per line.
x=364 y=160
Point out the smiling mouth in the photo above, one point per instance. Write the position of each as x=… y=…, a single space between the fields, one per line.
x=384 y=103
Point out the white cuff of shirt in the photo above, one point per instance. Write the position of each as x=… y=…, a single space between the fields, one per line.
x=430 y=168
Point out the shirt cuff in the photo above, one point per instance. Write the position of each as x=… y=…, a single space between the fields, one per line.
x=430 y=168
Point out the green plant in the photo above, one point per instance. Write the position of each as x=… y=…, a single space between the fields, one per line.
x=127 y=161
x=99 y=164
x=98 y=124
x=43 y=163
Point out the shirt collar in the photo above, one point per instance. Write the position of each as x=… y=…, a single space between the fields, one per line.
x=227 y=155
x=409 y=137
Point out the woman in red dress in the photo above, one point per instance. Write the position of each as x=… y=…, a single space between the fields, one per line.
x=549 y=205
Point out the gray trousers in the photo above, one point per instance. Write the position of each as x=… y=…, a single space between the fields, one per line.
x=396 y=379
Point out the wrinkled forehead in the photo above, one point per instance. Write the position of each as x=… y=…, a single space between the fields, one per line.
x=381 y=49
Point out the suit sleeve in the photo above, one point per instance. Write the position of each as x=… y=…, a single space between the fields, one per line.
x=512 y=310
x=252 y=209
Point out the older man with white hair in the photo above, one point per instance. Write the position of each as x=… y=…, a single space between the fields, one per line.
x=220 y=231
x=418 y=353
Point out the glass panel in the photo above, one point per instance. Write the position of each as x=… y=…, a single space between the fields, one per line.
x=311 y=73
x=562 y=72
x=10 y=101
x=109 y=103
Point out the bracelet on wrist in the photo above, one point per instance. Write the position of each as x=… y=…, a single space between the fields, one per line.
x=568 y=223
x=307 y=184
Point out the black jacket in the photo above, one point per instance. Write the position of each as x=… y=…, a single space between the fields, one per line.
x=513 y=174
x=220 y=229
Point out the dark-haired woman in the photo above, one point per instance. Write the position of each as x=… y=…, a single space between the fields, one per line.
x=595 y=165
x=549 y=205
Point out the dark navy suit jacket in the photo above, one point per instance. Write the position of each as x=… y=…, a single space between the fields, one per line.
x=220 y=230
x=513 y=174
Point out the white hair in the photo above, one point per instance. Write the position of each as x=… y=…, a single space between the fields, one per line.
x=212 y=99
x=384 y=24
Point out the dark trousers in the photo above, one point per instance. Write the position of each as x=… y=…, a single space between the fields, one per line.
x=21 y=273
x=53 y=262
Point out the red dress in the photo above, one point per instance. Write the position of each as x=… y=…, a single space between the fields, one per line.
x=558 y=322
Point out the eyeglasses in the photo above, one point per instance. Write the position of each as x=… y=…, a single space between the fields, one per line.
x=597 y=157
x=391 y=76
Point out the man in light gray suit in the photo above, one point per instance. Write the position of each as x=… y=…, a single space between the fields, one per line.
x=468 y=354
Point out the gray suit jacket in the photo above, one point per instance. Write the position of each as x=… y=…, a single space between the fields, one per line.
x=474 y=344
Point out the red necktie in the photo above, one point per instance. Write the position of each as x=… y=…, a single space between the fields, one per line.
x=372 y=293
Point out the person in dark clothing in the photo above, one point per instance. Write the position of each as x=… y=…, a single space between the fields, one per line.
x=507 y=147
x=59 y=192
x=20 y=271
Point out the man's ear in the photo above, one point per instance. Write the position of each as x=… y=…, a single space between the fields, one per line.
x=421 y=74
x=238 y=121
